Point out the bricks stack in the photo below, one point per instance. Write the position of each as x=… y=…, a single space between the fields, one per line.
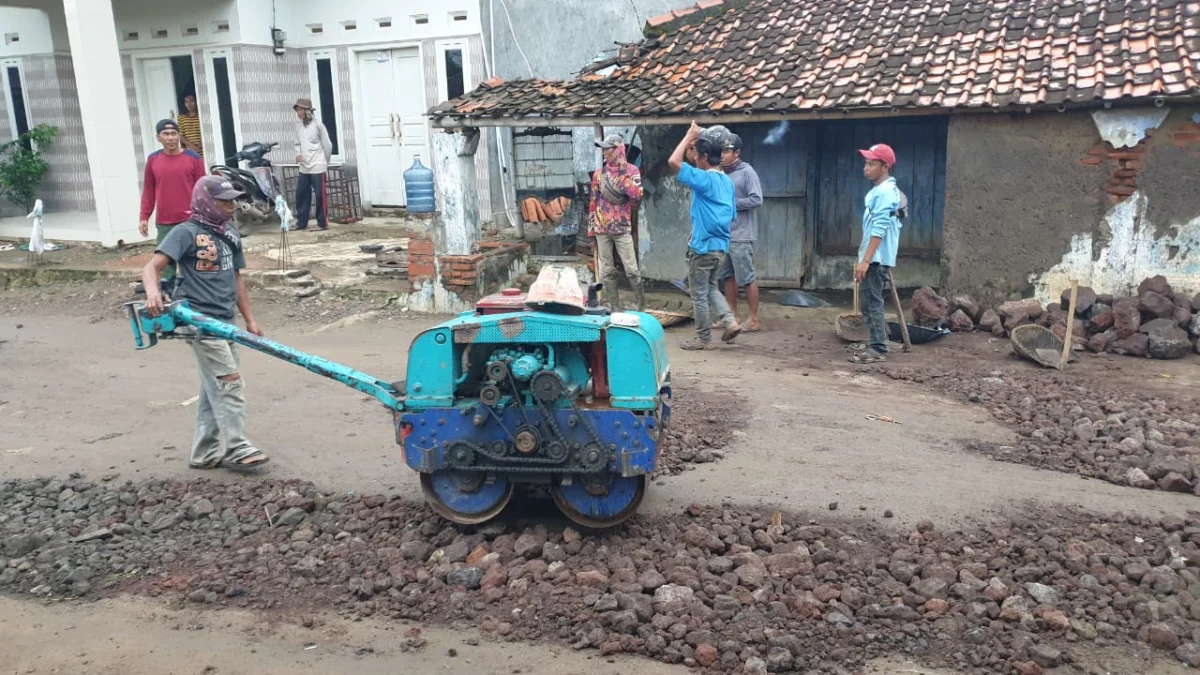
x=420 y=259
x=460 y=272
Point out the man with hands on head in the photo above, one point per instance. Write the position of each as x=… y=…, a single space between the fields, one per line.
x=712 y=213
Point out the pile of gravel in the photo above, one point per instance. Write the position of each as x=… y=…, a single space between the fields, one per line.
x=732 y=590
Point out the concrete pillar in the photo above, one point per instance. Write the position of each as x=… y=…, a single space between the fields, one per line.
x=457 y=192
x=106 y=123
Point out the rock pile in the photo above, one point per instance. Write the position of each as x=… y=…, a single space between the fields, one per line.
x=1124 y=437
x=730 y=590
x=701 y=426
x=1157 y=323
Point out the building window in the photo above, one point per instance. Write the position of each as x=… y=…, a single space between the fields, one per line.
x=454 y=69
x=420 y=19
x=455 y=85
x=130 y=36
x=349 y=25
x=542 y=160
x=322 y=76
x=159 y=33
x=190 y=31
x=458 y=16
x=385 y=22
x=10 y=38
x=18 y=117
x=221 y=26
x=316 y=28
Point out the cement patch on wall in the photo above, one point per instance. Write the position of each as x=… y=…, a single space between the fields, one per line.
x=1131 y=253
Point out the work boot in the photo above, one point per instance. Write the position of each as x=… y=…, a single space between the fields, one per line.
x=639 y=294
x=614 y=300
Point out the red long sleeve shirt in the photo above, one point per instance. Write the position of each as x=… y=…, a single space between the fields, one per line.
x=167 y=186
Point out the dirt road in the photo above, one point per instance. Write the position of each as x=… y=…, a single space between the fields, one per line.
x=808 y=433
x=79 y=398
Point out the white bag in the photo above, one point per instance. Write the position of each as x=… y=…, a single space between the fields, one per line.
x=37 y=241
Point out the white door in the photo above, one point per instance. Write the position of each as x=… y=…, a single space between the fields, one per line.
x=160 y=99
x=410 y=110
x=396 y=131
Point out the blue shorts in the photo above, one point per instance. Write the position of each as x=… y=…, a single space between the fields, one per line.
x=739 y=264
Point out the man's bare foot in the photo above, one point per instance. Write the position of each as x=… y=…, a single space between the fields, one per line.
x=752 y=326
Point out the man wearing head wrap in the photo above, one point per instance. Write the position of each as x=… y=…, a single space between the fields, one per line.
x=616 y=194
x=210 y=259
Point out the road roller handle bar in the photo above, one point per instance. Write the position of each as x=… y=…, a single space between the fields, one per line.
x=147 y=330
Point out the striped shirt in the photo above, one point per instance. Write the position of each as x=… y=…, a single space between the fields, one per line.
x=189 y=128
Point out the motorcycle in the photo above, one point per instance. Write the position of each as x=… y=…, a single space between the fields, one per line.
x=262 y=194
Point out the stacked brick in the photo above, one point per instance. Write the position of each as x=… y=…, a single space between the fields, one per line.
x=420 y=259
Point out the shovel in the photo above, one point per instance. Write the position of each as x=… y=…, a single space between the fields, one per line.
x=900 y=311
x=851 y=327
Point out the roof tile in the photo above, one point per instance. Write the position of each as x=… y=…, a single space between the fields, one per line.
x=746 y=56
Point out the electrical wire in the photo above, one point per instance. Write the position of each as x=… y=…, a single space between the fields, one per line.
x=516 y=42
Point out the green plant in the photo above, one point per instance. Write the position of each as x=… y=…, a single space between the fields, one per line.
x=23 y=165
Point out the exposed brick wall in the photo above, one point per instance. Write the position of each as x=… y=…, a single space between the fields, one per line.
x=1123 y=163
x=1187 y=135
x=465 y=275
x=459 y=273
x=420 y=259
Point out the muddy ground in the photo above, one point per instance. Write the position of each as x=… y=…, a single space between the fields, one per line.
x=797 y=429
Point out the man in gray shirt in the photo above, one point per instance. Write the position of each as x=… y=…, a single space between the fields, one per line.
x=209 y=254
x=738 y=271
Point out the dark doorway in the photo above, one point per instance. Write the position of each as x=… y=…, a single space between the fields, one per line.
x=325 y=102
x=229 y=141
x=185 y=79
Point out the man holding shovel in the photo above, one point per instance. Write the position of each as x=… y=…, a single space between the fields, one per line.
x=877 y=252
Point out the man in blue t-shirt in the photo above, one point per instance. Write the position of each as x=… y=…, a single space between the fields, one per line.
x=877 y=252
x=712 y=213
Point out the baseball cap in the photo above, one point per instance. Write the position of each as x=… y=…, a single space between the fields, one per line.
x=219 y=188
x=611 y=141
x=165 y=124
x=881 y=152
x=732 y=142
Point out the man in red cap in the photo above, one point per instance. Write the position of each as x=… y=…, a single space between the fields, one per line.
x=877 y=253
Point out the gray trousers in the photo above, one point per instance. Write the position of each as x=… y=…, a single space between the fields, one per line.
x=703 y=274
x=871 y=306
x=222 y=405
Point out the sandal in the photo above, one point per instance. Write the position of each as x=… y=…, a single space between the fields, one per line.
x=242 y=465
x=731 y=332
x=205 y=466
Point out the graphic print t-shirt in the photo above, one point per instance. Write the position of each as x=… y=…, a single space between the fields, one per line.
x=206 y=267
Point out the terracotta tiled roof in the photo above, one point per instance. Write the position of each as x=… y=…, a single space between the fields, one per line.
x=774 y=56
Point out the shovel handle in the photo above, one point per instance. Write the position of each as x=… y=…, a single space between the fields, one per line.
x=900 y=311
x=857 y=311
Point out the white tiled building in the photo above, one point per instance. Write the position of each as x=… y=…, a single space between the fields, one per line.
x=90 y=67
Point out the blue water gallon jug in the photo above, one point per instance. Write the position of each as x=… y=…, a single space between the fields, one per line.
x=419 y=189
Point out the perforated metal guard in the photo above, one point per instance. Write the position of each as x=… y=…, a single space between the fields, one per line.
x=525 y=331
